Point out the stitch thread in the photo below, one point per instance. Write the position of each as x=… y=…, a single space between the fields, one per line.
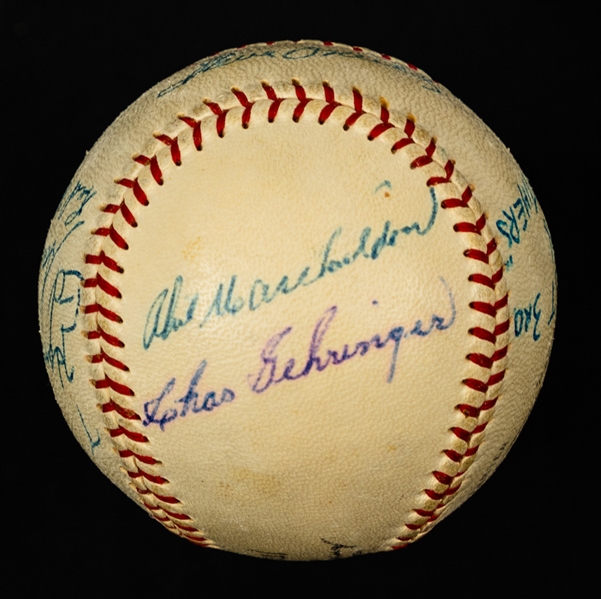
x=196 y=130
x=453 y=482
x=104 y=357
x=470 y=434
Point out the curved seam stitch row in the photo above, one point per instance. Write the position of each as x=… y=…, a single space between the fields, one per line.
x=173 y=519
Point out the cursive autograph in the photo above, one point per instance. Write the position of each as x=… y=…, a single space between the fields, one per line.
x=189 y=403
x=60 y=289
x=171 y=309
x=302 y=52
x=68 y=218
x=274 y=370
x=63 y=310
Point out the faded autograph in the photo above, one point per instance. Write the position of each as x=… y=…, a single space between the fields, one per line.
x=275 y=369
x=60 y=289
x=172 y=309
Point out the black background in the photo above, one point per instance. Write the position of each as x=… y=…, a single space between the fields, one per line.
x=525 y=69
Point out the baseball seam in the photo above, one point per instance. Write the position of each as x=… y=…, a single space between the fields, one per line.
x=481 y=393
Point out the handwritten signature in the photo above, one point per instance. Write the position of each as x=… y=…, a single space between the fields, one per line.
x=302 y=52
x=63 y=310
x=319 y=359
x=171 y=310
x=60 y=293
x=189 y=403
x=68 y=219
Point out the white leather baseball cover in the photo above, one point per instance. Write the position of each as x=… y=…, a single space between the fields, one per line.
x=298 y=301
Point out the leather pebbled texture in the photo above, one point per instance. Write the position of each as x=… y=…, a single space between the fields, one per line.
x=298 y=301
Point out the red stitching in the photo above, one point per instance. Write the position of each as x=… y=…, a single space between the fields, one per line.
x=461 y=433
x=164 y=498
x=127 y=215
x=171 y=519
x=128 y=453
x=111 y=406
x=476 y=255
x=378 y=130
x=442 y=478
x=480 y=360
x=482 y=280
x=221 y=114
x=408 y=130
x=200 y=541
x=502 y=302
x=171 y=500
x=104 y=260
x=104 y=357
x=155 y=169
x=275 y=102
x=476 y=385
x=358 y=104
x=177 y=516
x=196 y=130
x=437 y=497
x=138 y=192
x=114 y=236
x=449 y=169
x=466 y=196
x=163 y=520
x=241 y=96
x=100 y=333
x=269 y=91
x=302 y=101
x=102 y=283
x=108 y=314
x=108 y=383
x=384 y=114
x=454 y=456
x=502 y=328
x=480 y=428
x=496 y=378
x=471 y=227
x=483 y=334
x=499 y=354
x=117 y=432
x=139 y=473
x=468 y=411
x=421 y=161
x=489 y=404
x=327 y=110
x=477 y=358
x=173 y=144
x=484 y=308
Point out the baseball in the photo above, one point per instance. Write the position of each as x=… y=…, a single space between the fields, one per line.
x=298 y=301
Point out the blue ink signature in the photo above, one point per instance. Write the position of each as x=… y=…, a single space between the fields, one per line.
x=385 y=183
x=68 y=215
x=61 y=297
x=94 y=443
x=302 y=52
x=517 y=216
x=189 y=401
x=527 y=318
x=318 y=359
x=553 y=301
x=63 y=310
x=167 y=314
